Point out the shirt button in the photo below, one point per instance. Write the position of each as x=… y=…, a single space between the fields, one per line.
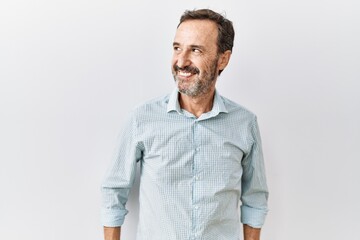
x=197 y=149
x=196 y=207
x=197 y=177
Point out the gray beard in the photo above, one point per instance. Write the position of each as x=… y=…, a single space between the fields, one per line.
x=199 y=87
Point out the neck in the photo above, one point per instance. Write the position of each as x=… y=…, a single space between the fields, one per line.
x=197 y=105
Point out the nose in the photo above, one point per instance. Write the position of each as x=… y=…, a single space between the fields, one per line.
x=183 y=59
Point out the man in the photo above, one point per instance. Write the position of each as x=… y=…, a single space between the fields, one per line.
x=199 y=153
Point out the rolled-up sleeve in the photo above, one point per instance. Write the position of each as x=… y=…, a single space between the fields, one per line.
x=254 y=188
x=120 y=176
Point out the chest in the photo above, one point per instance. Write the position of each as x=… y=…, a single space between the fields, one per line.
x=178 y=152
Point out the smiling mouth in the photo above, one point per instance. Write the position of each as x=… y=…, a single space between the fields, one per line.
x=184 y=74
x=186 y=71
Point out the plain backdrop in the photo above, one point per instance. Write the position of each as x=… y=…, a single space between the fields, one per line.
x=70 y=71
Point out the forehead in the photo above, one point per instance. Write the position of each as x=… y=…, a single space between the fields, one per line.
x=197 y=32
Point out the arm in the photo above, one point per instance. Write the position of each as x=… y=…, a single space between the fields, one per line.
x=112 y=233
x=254 y=193
x=119 y=180
x=251 y=233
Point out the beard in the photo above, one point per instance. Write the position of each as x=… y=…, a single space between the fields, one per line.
x=202 y=82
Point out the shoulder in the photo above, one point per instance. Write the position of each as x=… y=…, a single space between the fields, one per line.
x=153 y=106
x=237 y=110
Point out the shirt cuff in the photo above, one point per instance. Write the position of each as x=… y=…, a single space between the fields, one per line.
x=113 y=217
x=253 y=217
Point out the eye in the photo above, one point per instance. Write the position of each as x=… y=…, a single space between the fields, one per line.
x=177 y=49
x=196 y=50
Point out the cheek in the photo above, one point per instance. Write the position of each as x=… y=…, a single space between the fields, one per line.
x=173 y=63
x=207 y=65
x=173 y=58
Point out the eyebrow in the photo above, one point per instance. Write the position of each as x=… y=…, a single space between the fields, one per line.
x=191 y=46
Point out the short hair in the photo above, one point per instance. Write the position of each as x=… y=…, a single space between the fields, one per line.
x=226 y=33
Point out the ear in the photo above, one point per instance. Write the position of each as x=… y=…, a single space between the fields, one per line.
x=224 y=59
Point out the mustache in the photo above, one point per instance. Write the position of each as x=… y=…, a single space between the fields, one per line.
x=190 y=69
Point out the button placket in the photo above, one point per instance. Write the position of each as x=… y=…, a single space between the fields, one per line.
x=195 y=178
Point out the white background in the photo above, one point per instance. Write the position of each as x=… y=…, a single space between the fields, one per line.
x=70 y=71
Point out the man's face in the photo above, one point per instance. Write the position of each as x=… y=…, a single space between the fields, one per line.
x=195 y=62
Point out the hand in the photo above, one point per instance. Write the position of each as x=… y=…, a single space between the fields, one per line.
x=251 y=233
x=112 y=233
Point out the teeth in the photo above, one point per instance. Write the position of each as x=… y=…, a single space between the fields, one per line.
x=184 y=74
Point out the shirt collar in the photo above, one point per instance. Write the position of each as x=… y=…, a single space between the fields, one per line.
x=173 y=103
x=218 y=105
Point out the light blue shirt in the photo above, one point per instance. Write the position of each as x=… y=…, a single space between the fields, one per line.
x=194 y=172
